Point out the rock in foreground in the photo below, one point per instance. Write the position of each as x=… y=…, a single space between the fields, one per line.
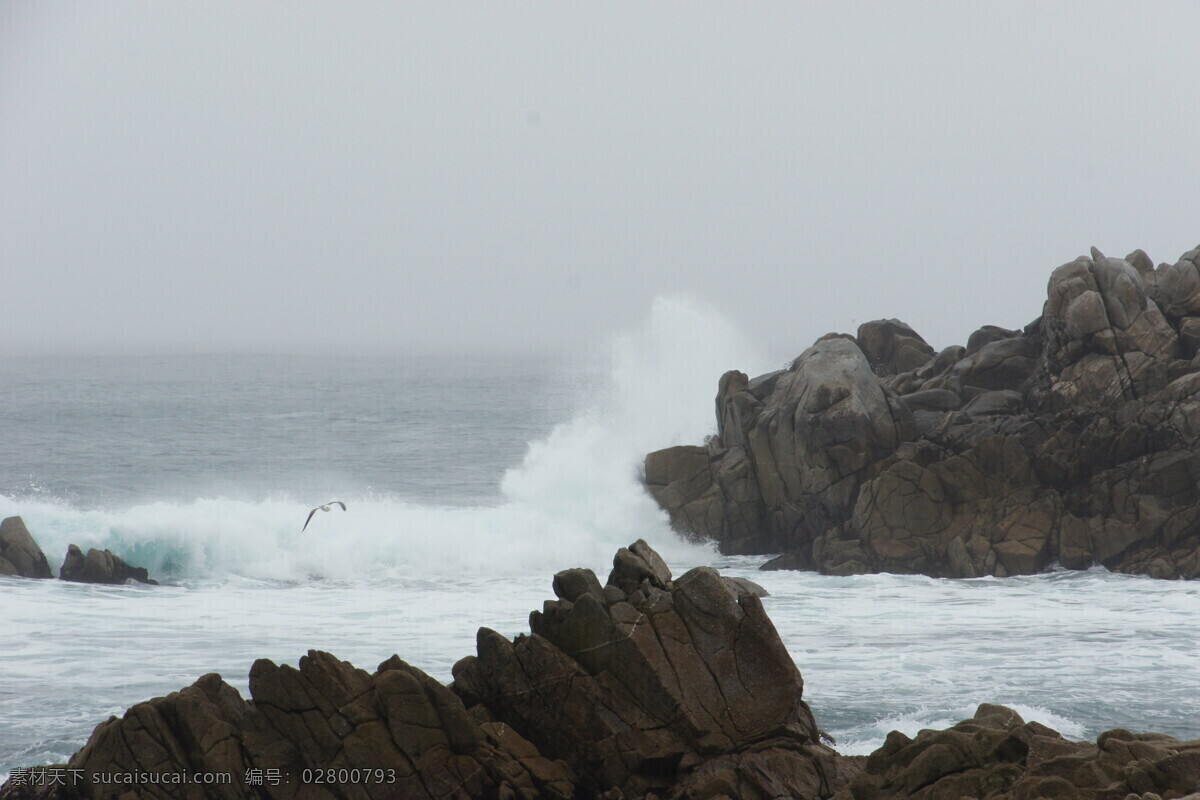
x=1074 y=440
x=645 y=688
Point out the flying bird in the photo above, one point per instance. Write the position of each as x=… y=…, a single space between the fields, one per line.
x=325 y=507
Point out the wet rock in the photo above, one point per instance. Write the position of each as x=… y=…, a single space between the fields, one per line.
x=20 y=555
x=100 y=566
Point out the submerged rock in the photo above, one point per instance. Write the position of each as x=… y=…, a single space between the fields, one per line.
x=1074 y=440
x=100 y=566
x=20 y=555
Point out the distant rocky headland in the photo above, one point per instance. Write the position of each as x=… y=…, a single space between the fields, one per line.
x=649 y=687
x=1073 y=440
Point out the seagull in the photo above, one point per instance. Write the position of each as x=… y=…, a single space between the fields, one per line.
x=325 y=507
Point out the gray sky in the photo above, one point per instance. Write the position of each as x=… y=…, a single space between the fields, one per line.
x=529 y=176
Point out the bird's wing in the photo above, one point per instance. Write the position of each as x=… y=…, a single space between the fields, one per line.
x=340 y=503
x=310 y=516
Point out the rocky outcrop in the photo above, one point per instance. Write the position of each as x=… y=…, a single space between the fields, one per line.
x=1074 y=440
x=20 y=555
x=645 y=687
x=100 y=566
x=997 y=755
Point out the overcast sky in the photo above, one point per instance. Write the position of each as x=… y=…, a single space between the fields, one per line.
x=529 y=176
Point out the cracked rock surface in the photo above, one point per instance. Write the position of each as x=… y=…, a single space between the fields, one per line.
x=1074 y=440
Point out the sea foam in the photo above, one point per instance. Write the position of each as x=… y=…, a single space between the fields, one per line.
x=574 y=498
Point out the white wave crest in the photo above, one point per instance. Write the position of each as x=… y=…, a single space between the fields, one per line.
x=573 y=500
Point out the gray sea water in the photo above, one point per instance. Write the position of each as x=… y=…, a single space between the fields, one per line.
x=469 y=481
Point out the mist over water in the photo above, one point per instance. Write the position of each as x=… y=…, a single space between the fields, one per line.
x=574 y=497
x=469 y=482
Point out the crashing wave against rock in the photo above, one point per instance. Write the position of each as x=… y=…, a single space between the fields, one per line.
x=648 y=687
x=1074 y=440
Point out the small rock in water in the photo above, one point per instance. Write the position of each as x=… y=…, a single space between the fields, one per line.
x=100 y=566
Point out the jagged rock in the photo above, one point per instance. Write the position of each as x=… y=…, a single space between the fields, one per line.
x=996 y=754
x=100 y=566
x=892 y=347
x=1073 y=440
x=676 y=689
x=826 y=422
x=20 y=555
x=399 y=732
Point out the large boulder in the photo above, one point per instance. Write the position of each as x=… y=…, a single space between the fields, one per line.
x=892 y=347
x=1106 y=340
x=827 y=420
x=651 y=684
x=20 y=555
x=100 y=566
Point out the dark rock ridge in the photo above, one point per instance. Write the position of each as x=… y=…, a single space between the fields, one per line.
x=645 y=688
x=19 y=553
x=100 y=566
x=1073 y=440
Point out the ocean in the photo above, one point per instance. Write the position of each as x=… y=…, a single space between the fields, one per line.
x=469 y=480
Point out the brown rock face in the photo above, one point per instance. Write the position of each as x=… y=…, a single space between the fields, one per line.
x=20 y=555
x=1074 y=440
x=644 y=687
x=99 y=566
